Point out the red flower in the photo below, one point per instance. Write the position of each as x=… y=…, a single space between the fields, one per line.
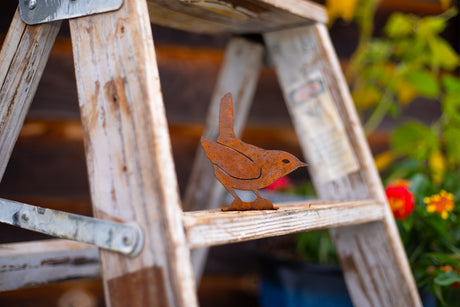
x=400 y=199
x=280 y=184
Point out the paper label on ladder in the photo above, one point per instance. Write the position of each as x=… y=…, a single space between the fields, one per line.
x=320 y=129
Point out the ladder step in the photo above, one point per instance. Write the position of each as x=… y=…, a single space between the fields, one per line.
x=40 y=262
x=34 y=263
x=214 y=227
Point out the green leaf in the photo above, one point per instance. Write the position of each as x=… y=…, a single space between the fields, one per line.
x=438 y=292
x=443 y=55
x=438 y=227
x=447 y=278
x=424 y=81
x=394 y=110
x=399 y=25
x=414 y=139
x=367 y=96
x=379 y=50
x=444 y=258
x=450 y=105
x=419 y=183
x=429 y=26
x=451 y=84
x=452 y=142
x=404 y=169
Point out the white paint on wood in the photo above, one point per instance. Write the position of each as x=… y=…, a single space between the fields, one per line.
x=238 y=75
x=214 y=227
x=23 y=57
x=42 y=262
x=372 y=256
x=320 y=127
x=128 y=150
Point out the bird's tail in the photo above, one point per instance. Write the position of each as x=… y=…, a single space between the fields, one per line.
x=226 y=119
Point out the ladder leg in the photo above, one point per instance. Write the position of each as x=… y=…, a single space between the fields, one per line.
x=238 y=75
x=23 y=57
x=372 y=256
x=132 y=176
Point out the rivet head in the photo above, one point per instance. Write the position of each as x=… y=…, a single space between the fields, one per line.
x=127 y=239
x=32 y=4
x=25 y=217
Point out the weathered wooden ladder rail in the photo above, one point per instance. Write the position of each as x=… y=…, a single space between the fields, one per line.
x=129 y=160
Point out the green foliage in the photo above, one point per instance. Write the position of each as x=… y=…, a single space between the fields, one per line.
x=416 y=61
x=447 y=278
x=316 y=247
x=415 y=140
x=452 y=145
x=431 y=241
x=425 y=82
x=403 y=65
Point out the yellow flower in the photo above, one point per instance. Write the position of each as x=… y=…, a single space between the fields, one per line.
x=406 y=92
x=438 y=166
x=341 y=8
x=383 y=160
x=441 y=203
x=445 y=4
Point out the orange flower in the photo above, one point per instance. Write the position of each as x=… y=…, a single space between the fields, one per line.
x=400 y=198
x=441 y=203
x=446 y=268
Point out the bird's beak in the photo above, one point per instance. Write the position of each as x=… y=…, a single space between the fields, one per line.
x=302 y=164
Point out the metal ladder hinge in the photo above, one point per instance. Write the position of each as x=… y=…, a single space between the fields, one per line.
x=125 y=238
x=41 y=11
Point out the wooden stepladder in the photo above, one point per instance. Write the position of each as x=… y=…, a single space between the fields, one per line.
x=130 y=167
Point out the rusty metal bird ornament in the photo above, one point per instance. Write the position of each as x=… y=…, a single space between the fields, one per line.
x=241 y=166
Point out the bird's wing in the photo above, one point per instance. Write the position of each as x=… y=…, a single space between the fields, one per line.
x=232 y=162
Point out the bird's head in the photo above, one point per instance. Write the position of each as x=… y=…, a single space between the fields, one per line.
x=279 y=164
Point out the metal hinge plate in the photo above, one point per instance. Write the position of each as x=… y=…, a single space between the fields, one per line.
x=41 y=11
x=125 y=238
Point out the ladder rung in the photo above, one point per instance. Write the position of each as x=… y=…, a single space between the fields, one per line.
x=40 y=262
x=214 y=227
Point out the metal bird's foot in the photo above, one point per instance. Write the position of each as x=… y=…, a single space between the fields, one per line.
x=258 y=204
x=263 y=204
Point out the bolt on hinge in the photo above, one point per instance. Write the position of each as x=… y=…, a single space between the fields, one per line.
x=41 y=11
x=125 y=238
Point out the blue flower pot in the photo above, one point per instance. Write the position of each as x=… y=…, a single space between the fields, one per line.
x=289 y=283
x=294 y=283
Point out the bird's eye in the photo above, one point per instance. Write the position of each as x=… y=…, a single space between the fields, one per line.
x=286 y=161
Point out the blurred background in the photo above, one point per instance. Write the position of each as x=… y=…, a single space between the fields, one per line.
x=47 y=167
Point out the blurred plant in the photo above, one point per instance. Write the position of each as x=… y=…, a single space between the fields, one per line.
x=431 y=234
x=387 y=73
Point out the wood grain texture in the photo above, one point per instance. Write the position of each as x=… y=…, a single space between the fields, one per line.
x=235 y=16
x=41 y=262
x=214 y=227
x=131 y=172
x=23 y=58
x=238 y=75
x=372 y=256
